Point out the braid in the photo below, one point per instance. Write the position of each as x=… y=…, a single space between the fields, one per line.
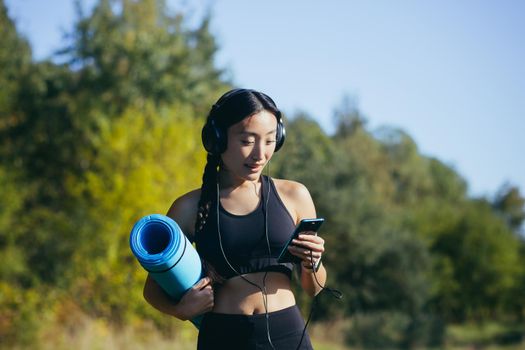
x=208 y=191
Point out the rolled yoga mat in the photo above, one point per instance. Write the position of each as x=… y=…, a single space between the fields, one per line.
x=166 y=253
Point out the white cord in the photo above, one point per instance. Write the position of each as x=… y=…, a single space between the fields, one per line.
x=263 y=290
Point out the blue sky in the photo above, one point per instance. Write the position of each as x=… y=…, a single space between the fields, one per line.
x=449 y=73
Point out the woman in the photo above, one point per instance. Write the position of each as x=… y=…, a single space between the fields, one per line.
x=240 y=220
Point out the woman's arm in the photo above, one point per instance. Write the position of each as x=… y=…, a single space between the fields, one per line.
x=312 y=278
x=199 y=298
x=306 y=246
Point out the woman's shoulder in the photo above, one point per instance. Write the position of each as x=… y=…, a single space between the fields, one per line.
x=296 y=198
x=290 y=188
x=184 y=210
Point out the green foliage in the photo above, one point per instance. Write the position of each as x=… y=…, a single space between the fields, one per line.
x=379 y=265
x=510 y=204
x=142 y=54
x=485 y=334
x=145 y=160
x=15 y=59
x=90 y=146
x=389 y=211
x=394 y=330
x=377 y=330
x=19 y=321
x=479 y=264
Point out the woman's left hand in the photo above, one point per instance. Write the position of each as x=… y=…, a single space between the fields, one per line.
x=307 y=247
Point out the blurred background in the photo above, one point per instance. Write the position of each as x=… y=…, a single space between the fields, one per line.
x=404 y=120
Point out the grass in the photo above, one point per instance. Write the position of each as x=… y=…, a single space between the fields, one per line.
x=92 y=334
x=487 y=335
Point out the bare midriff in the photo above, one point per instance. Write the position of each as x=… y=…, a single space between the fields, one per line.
x=237 y=296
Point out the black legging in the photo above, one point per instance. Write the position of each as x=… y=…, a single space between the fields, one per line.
x=226 y=331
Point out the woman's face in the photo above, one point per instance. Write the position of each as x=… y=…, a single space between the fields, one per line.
x=251 y=143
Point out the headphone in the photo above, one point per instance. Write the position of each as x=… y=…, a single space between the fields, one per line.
x=214 y=138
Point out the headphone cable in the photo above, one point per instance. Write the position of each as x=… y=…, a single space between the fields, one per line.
x=265 y=295
x=263 y=290
x=335 y=293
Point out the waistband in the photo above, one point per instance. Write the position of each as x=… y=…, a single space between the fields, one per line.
x=241 y=317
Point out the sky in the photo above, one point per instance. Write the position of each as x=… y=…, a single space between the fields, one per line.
x=449 y=73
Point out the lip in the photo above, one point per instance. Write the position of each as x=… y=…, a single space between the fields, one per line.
x=254 y=167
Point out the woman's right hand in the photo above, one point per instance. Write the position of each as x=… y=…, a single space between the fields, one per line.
x=197 y=300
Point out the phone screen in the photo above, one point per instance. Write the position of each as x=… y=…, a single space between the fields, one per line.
x=304 y=226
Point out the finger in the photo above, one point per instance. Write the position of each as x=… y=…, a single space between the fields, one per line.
x=207 y=297
x=313 y=255
x=309 y=259
x=308 y=263
x=310 y=246
x=206 y=292
x=306 y=251
x=303 y=253
x=311 y=238
x=297 y=251
x=202 y=283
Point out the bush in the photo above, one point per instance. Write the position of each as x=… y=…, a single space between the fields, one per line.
x=377 y=330
x=387 y=330
x=20 y=316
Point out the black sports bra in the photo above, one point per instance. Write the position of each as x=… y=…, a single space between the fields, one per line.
x=243 y=237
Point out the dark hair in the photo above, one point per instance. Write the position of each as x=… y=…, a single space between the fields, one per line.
x=230 y=108
x=237 y=104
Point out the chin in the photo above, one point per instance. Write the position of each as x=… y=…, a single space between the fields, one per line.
x=252 y=176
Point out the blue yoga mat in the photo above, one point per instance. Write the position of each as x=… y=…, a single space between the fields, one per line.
x=166 y=253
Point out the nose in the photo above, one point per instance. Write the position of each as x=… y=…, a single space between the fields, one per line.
x=258 y=151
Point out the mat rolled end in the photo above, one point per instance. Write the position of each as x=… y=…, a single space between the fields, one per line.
x=165 y=252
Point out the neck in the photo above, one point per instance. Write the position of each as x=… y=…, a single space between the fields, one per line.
x=228 y=180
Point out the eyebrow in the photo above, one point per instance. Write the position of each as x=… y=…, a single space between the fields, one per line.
x=255 y=134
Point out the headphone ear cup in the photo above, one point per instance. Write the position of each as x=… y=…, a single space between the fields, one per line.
x=208 y=138
x=222 y=140
x=280 y=135
x=213 y=139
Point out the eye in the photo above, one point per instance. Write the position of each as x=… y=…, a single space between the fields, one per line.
x=269 y=142
x=247 y=142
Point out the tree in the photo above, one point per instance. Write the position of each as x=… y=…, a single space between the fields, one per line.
x=15 y=59
x=478 y=265
x=142 y=53
x=369 y=255
x=146 y=159
x=509 y=204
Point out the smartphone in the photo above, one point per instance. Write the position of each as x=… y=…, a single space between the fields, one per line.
x=303 y=226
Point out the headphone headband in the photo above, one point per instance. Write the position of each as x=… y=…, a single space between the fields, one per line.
x=214 y=138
